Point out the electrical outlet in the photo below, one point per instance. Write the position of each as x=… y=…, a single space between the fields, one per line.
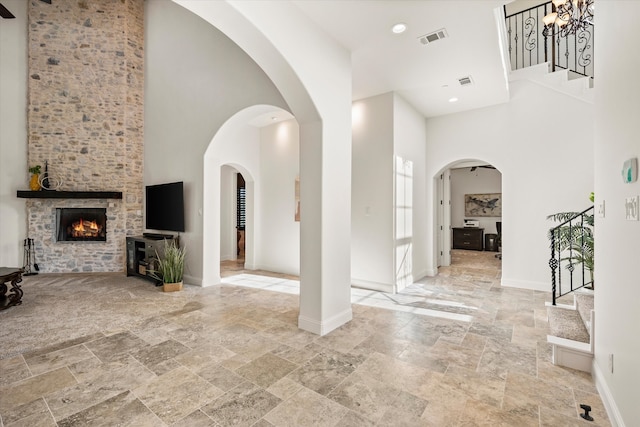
x=611 y=363
x=631 y=208
x=601 y=209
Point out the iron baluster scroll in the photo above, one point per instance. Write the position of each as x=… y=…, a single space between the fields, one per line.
x=531 y=42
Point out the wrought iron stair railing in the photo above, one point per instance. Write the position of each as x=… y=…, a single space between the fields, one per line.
x=571 y=254
x=528 y=46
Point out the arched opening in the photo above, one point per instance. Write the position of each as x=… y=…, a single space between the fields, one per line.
x=236 y=217
x=468 y=211
x=325 y=154
x=263 y=154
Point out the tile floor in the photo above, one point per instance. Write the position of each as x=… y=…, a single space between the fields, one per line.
x=452 y=350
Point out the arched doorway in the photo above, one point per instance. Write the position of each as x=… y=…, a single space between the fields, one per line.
x=236 y=216
x=234 y=149
x=468 y=193
x=325 y=155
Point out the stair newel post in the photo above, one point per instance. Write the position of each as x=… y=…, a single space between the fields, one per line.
x=582 y=246
x=553 y=263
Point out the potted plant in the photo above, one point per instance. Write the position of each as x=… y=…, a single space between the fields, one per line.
x=34 y=183
x=171 y=267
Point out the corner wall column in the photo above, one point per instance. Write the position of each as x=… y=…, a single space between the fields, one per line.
x=325 y=230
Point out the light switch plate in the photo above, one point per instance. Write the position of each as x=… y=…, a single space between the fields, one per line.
x=601 y=209
x=631 y=207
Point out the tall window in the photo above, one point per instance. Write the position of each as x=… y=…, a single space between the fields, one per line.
x=240 y=203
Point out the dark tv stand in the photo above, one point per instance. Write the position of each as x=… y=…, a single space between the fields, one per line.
x=143 y=253
x=157 y=236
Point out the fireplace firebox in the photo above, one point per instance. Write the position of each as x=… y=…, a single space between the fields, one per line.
x=81 y=224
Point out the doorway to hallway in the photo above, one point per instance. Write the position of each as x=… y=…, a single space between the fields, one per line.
x=469 y=203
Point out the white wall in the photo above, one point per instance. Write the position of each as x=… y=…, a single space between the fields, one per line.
x=409 y=136
x=13 y=133
x=279 y=165
x=542 y=172
x=480 y=181
x=617 y=289
x=388 y=130
x=372 y=193
x=195 y=79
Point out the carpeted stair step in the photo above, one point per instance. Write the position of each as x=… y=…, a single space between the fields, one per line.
x=584 y=304
x=568 y=324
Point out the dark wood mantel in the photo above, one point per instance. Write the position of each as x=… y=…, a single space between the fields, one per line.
x=51 y=194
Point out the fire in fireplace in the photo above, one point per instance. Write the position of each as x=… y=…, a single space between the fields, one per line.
x=81 y=224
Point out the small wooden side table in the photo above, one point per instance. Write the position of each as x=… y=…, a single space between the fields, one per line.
x=13 y=276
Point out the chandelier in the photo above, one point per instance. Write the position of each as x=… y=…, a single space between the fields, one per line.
x=569 y=17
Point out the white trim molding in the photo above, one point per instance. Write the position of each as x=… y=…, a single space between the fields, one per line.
x=525 y=284
x=607 y=398
x=324 y=327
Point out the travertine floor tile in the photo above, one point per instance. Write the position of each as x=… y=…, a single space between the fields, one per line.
x=176 y=394
x=501 y=357
x=25 y=391
x=195 y=419
x=104 y=381
x=478 y=386
x=478 y=414
x=365 y=395
x=306 y=408
x=526 y=393
x=110 y=348
x=13 y=369
x=398 y=374
x=57 y=359
x=266 y=369
x=451 y=350
x=34 y=412
x=325 y=371
x=241 y=406
x=121 y=410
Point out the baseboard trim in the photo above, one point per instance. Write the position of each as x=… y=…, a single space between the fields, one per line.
x=607 y=398
x=374 y=286
x=429 y=273
x=197 y=281
x=324 y=327
x=525 y=284
x=274 y=269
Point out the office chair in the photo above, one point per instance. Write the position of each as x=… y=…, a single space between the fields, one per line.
x=499 y=242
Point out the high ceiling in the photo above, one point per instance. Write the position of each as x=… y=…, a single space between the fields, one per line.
x=426 y=75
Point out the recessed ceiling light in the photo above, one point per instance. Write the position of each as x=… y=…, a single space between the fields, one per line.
x=399 y=28
x=274 y=118
x=454 y=99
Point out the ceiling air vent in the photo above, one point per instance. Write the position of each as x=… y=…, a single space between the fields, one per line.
x=432 y=37
x=465 y=81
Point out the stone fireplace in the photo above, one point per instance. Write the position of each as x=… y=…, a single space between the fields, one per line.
x=85 y=119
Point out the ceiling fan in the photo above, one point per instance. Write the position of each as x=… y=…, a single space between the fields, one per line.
x=4 y=12
x=473 y=168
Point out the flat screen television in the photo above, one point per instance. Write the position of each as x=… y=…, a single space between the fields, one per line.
x=165 y=207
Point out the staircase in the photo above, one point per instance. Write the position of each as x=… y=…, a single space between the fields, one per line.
x=562 y=63
x=563 y=81
x=571 y=331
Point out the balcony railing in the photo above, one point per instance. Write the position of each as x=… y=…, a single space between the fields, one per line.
x=528 y=46
x=572 y=254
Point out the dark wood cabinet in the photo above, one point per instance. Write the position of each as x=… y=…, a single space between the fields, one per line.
x=468 y=238
x=142 y=256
